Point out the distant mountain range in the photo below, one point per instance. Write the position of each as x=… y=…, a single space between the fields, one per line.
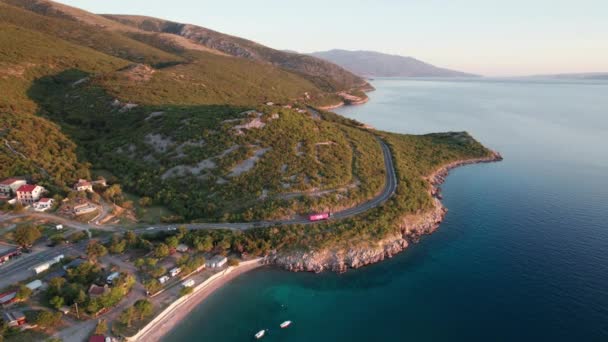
x=376 y=64
x=577 y=76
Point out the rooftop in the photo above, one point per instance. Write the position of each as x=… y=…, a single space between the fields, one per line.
x=10 y=181
x=27 y=188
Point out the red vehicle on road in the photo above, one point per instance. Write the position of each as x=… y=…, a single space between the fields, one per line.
x=319 y=216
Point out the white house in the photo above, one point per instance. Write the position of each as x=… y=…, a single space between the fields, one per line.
x=10 y=186
x=216 y=261
x=28 y=194
x=83 y=185
x=182 y=248
x=44 y=204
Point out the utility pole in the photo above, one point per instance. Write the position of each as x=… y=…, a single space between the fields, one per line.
x=77 y=314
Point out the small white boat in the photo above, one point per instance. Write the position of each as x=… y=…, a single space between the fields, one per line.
x=260 y=334
x=285 y=324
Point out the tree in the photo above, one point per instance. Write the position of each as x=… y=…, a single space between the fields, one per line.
x=24 y=292
x=186 y=290
x=203 y=244
x=18 y=207
x=47 y=319
x=56 y=285
x=95 y=250
x=144 y=308
x=57 y=302
x=130 y=237
x=233 y=262
x=127 y=316
x=26 y=234
x=161 y=251
x=172 y=241
x=113 y=193
x=152 y=285
x=117 y=245
x=145 y=201
x=101 y=328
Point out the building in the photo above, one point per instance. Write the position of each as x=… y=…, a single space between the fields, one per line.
x=44 y=204
x=28 y=194
x=217 y=261
x=34 y=285
x=9 y=186
x=9 y=254
x=83 y=185
x=97 y=291
x=101 y=182
x=13 y=318
x=182 y=248
x=8 y=297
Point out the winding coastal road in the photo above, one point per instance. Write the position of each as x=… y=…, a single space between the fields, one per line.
x=19 y=269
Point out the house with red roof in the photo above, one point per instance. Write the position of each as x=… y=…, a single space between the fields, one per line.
x=9 y=186
x=44 y=204
x=83 y=185
x=28 y=194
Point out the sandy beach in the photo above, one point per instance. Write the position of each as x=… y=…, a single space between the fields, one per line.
x=174 y=314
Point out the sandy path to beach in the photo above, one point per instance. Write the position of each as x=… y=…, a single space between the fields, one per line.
x=157 y=330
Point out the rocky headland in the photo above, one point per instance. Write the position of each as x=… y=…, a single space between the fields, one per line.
x=411 y=228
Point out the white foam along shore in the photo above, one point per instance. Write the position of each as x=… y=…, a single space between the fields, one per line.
x=165 y=321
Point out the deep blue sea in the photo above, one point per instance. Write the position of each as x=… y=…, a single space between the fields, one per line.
x=521 y=256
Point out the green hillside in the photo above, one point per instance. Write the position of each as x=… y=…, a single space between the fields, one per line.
x=188 y=156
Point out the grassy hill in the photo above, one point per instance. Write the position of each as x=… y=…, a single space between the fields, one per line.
x=82 y=92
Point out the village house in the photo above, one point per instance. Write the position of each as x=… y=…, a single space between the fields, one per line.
x=9 y=254
x=8 y=298
x=13 y=318
x=28 y=194
x=44 y=204
x=216 y=262
x=83 y=185
x=9 y=186
x=97 y=291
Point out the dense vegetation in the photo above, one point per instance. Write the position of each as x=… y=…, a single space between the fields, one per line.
x=186 y=156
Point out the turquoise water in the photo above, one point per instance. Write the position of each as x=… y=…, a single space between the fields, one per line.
x=522 y=254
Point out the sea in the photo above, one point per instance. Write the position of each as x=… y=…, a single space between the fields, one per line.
x=521 y=256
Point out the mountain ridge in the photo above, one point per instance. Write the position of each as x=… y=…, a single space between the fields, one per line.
x=376 y=64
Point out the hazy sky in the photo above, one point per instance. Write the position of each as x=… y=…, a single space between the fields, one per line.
x=490 y=37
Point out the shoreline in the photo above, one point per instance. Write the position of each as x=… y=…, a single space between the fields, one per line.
x=171 y=316
x=411 y=228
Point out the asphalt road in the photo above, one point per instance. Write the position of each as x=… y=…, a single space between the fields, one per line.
x=19 y=269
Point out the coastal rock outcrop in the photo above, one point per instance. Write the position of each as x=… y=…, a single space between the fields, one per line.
x=411 y=228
